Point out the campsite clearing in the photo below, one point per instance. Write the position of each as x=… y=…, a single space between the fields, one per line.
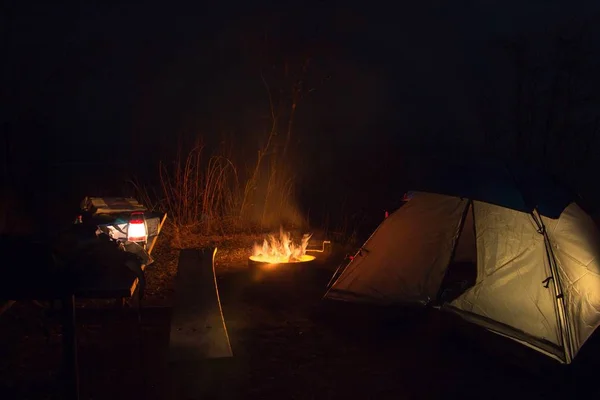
x=286 y=344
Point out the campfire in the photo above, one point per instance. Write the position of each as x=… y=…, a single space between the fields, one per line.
x=281 y=250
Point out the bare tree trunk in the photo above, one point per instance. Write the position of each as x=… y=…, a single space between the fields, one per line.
x=288 y=137
x=520 y=71
x=6 y=163
x=296 y=93
x=549 y=121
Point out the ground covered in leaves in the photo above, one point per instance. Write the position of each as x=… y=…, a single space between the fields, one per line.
x=287 y=344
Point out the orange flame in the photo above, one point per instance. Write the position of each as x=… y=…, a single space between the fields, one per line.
x=280 y=250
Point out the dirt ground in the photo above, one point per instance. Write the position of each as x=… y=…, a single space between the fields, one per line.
x=287 y=343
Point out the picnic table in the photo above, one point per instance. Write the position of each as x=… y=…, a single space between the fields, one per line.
x=36 y=277
x=38 y=280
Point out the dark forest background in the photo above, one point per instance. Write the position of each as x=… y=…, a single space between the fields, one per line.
x=318 y=114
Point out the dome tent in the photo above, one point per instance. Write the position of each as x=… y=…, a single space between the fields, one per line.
x=535 y=253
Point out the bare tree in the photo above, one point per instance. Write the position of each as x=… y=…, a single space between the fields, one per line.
x=556 y=107
x=287 y=72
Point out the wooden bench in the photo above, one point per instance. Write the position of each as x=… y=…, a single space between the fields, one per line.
x=198 y=330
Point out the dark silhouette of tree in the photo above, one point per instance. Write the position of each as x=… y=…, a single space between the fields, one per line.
x=556 y=106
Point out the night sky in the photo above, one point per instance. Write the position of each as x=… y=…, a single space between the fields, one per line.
x=392 y=84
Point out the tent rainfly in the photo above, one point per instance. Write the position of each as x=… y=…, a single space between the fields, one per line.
x=537 y=267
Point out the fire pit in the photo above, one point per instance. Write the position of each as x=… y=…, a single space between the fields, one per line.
x=254 y=261
x=280 y=252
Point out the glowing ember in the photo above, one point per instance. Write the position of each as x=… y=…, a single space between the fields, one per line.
x=281 y=250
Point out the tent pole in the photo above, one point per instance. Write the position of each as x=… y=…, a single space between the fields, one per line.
x=461 y=226
x=559 y=296
x=558 y=293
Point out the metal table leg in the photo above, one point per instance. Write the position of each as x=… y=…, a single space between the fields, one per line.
x=70 y=361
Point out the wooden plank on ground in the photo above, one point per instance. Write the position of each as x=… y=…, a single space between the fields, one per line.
x=198 y=332
x=155 y=238
x=198 y=328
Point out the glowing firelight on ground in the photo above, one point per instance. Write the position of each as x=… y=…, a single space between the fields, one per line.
x=282 y=249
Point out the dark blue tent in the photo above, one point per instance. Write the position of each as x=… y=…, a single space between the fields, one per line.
x=508 y=184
